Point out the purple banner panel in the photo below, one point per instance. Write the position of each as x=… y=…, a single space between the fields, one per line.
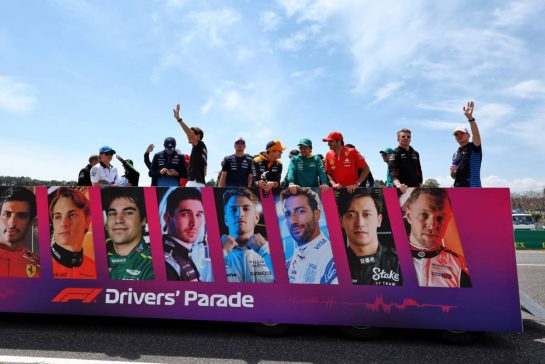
x=430 y=258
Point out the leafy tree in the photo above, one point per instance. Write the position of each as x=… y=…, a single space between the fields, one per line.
x=431 y=182
x=27 y=181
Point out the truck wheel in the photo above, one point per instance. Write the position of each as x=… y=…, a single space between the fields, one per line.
x=270 y=329
x=455 y=337
x=363 y=333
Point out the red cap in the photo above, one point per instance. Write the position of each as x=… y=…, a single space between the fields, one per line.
x=334 y=135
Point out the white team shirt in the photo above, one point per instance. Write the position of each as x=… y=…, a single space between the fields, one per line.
x=99 y=172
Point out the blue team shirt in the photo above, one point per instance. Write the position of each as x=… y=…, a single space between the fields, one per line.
x=238 y=169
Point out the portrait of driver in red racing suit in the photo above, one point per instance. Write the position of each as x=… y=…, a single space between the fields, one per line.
x=17 y=212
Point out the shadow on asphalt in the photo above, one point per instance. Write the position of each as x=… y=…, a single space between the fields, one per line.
x=130 y=339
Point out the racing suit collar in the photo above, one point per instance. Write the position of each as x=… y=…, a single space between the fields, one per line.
x=419 y=254
x=66 y=257
x=371 y=259
x=188 y=246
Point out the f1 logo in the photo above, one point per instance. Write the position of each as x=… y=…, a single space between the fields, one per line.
x=85 y=295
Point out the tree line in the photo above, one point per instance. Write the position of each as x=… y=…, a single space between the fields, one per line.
x=27 y=181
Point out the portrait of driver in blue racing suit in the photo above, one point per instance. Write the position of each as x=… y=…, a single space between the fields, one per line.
x=312 y=262
x=246 y=253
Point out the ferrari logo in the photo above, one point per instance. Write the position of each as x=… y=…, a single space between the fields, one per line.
x=30 y=270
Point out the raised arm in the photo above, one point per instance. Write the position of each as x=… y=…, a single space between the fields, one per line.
x=468 y=112
x=191 y=137
x=149 y=149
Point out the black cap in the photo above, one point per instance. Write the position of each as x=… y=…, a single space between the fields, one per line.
x=170 y=143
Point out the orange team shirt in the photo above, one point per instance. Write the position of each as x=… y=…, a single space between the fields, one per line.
x=18 y=262
x=86 y=270
x=344 y=168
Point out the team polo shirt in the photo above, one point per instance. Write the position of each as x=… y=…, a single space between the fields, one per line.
x=306 y=172
x=238 y=169
x=344 y=167
x=100 y=173
x=468 y=159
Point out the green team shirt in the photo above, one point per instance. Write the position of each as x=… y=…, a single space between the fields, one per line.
x=135 y=266
x=306 y=172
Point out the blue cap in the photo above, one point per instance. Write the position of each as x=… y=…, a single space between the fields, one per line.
x=106 y=150
x=387 y=151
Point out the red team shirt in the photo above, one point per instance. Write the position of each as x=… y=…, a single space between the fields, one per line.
x=344 y=168
x=18 y=262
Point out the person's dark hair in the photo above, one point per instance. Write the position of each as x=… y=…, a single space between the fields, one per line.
x=19 y=194
x=349 y=145
x=294 y=152
x=198 y=131
x=136 y=195
x=76 y=196
x=438 y=196
x=181 y=194
x=312 y=197
x=345 y=199
x=94 y=157
x=239 y=192
x=403 y=130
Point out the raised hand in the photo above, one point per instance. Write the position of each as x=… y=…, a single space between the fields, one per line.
x=228 y=243
x=468 y=110
x=176 y=112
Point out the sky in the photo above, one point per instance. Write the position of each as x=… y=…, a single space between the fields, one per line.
x=76 y=75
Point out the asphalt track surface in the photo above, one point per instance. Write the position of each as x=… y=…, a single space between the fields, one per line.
x=26 y=338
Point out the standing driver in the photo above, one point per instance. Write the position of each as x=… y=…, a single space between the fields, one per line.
x=466 y=162
x=198 y=160
x=168 y=166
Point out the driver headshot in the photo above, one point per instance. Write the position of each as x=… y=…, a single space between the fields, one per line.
x=312 y=262
x=129 y=255
x=246 y=253
x=370 y=261
x=70 y=216
x=428 y=213
x=184 y=219
x=17 y=212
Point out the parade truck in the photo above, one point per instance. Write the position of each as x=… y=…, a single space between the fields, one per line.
x=432 y=258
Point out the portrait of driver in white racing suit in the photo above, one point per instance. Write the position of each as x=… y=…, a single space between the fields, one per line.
x=312 y=262
x=429 y=213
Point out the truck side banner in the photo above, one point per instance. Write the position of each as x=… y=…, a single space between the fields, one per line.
x=430 y=258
